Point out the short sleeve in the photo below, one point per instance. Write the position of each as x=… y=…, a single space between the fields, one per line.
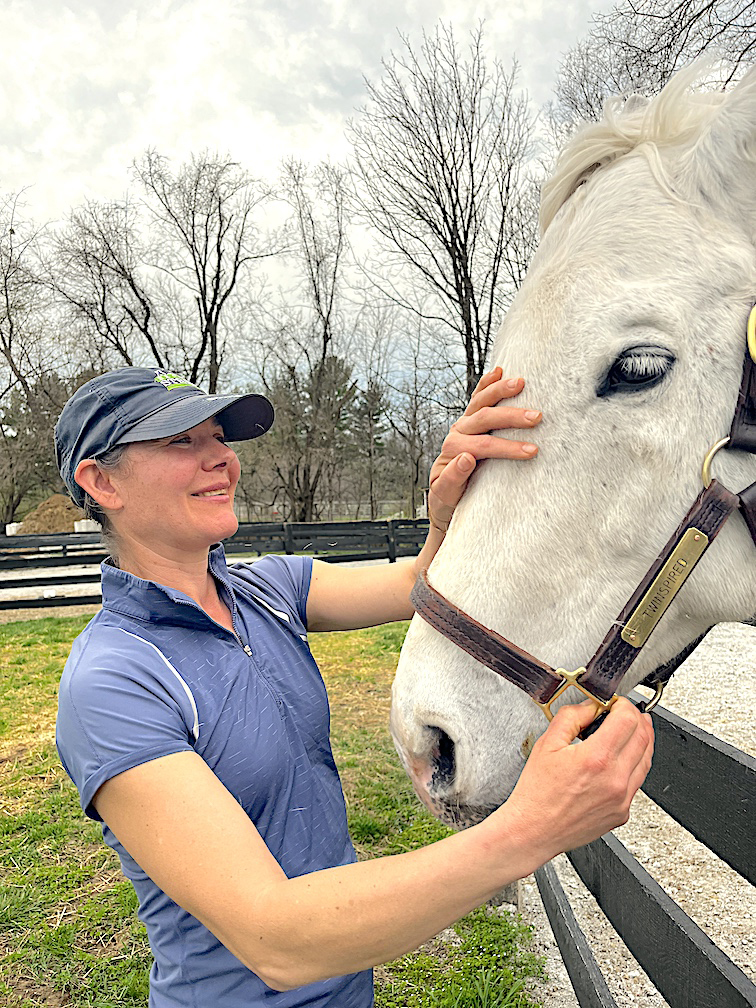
x=280 y=582
x=121 y=703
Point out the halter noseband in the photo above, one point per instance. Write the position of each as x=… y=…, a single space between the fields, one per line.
x=600 y=678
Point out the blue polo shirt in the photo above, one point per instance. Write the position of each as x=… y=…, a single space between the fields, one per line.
x=152 y=674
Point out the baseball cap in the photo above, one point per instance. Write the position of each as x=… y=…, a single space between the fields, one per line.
x=141 y=404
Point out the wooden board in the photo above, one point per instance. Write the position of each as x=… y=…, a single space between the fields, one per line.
x=684 y=964
x=585 y=976
x=686 y=780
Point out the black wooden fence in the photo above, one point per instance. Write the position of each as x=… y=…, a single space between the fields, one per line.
x=335 y=542
x=709 y=787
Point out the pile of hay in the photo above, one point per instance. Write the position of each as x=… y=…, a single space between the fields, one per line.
x=54 y=516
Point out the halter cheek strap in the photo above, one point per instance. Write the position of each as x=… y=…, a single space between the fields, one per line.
x=652 y=597
x=743 y=431
x=630 y=631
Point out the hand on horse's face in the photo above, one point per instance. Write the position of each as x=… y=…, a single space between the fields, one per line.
x=569 y=795
x=470 y=440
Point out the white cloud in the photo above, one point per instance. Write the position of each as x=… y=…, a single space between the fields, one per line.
x=87 y=86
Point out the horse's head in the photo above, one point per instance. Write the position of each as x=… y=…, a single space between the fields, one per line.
x=630 y=331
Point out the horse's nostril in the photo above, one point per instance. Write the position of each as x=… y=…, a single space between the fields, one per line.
x=442 y=758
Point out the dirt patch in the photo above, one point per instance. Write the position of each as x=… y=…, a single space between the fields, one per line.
x=17 y=752
x=32 y=731
x=25 y=988
x=55 y=516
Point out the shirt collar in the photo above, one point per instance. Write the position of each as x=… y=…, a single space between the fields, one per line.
x=141 y=599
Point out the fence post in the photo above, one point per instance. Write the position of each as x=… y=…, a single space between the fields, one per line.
x=288 y=538
x=391 y=541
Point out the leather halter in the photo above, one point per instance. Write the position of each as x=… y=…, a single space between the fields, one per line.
x=600 y=678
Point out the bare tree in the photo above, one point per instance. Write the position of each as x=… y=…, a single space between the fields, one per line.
x=152 y=279
x=36 y=374
x=207 y=237
x=96 y=266
x=20 y=352
x=421 y=406
x=638 y=45
x=28 y=412
x=305 y=372
x=440 y=154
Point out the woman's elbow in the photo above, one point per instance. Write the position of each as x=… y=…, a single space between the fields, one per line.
x=280 y=975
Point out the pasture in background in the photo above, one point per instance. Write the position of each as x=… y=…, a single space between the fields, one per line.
x=68 y=928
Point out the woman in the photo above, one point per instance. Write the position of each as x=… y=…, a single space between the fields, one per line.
x=194 y=722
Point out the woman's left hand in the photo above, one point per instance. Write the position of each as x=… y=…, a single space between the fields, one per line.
x=470 y=440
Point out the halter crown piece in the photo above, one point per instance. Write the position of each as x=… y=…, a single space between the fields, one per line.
x=600 y=678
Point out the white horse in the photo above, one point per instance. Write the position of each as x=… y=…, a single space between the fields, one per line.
x=630 y=332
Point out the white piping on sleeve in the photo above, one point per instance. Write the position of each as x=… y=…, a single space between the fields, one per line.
x=195 y=726
x=276 y=612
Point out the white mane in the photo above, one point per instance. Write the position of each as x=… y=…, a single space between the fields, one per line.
x=677 y=116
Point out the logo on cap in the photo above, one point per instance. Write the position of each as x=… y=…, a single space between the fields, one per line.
x=169 y=380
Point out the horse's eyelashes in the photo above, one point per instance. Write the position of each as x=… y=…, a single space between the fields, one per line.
x=636 y=369
x=642 y=365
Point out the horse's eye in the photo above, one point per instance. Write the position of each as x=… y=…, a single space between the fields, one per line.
x=637 y=368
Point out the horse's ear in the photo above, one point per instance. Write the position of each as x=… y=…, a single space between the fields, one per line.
x=725 y=158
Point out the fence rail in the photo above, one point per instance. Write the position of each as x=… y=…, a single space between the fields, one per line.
x=709 y=787
x=334 y=542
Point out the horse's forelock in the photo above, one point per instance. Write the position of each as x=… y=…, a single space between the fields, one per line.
x=677 y=116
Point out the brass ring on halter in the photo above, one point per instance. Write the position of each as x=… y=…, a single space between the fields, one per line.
x=649 y=705
x=751 y=332
x=706 y=467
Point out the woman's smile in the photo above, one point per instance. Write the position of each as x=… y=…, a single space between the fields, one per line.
x=214 y=492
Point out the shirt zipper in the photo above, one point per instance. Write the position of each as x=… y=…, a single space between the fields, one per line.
x=245 y=648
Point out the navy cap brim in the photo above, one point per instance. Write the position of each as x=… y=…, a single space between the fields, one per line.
x=242 y=417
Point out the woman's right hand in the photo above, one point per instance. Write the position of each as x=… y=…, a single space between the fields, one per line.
x=568 y=795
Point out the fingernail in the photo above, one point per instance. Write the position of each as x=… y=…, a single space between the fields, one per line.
x=529 y=449
x=513 y=382
x=465 y=463
x=532 y=414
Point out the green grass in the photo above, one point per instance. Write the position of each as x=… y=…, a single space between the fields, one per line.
x=486 y=967
x=69 y=935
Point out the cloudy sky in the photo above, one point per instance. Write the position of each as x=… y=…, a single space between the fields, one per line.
x=88 y=85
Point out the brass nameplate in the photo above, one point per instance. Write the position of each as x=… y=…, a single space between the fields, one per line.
x=666 y=585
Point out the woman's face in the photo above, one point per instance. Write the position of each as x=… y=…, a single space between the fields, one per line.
x=177 y=493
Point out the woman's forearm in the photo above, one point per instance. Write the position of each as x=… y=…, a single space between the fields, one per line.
x=190 y=835
x=349 y=918
x=345 y=919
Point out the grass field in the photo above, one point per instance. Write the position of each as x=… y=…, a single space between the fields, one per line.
x=69 y=935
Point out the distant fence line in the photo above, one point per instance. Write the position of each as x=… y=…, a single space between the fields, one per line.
x=335 y=542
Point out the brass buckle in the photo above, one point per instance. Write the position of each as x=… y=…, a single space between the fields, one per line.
x=751 y=334
x=571 y=679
